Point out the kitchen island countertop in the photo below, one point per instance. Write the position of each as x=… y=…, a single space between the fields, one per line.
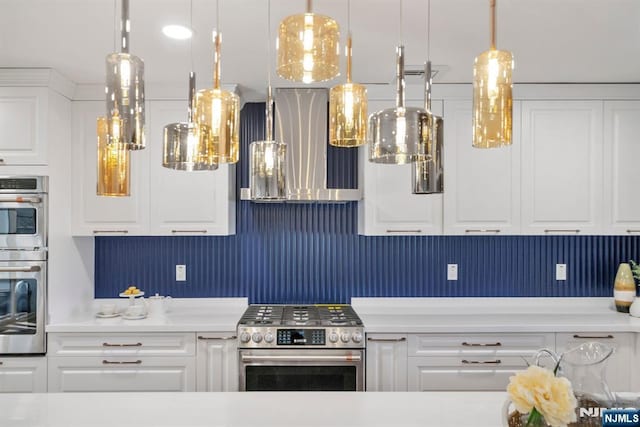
x=281 y=409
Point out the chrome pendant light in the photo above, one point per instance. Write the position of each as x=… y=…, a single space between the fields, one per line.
x=267 y=179
x=218 y=112
x=492 y=97
x=348 y=106
x=184 y=146
x=398 y=135
x=427 y=173
x=308 y=47
x=125 y=92
x=113 y=165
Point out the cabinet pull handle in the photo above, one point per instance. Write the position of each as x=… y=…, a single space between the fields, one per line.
x=110 y=231
x=404 y=231
x=633 y=231
x=576 y=230
x=387 y=339
x=594 y=337
x=481 y=362
x=497 y=344
x=189 y=231
x=21 y=200
x=106 y=344
x=232 y=337
x=495 y=230
x=33 y=268
x=109 y=362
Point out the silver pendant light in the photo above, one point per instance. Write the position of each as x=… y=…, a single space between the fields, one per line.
x=398 y=135
x=428 y=177
x=267 y=179
x=185 y=147
x=125 y=92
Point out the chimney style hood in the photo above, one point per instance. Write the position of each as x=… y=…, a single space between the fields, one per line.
x=301 y=122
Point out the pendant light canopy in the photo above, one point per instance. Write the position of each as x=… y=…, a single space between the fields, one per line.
x=398 y=135
x=492 y=98
x=218 y=115
x=184 y=146
x=348 y=108
x=308 y=47
x=113 y=165
x=125 y=92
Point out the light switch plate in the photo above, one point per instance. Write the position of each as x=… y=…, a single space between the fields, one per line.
x=452 y=271
x=561 y=271
x=181 y=273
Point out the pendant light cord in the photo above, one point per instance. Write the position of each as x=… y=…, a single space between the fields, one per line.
x=349 y=41
x=428 y=30
x=269 y=106
x=427 y=68
x=216 y=55
x=400 y=22
x=115 y=25
x=492 y=3
x=192 y=74
x=125 y=27
x=191 y=27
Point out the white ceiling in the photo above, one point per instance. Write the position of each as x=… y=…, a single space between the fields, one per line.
x=595 y=41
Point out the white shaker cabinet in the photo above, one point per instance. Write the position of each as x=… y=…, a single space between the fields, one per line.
x=386 y=362
x=186 y=203
x=621 y=154
x=482 y=186
x=388 y=206
x=562 y=172
x=93 y=215
x=622 y=363
x=217 y=362
x=23 y=374
x=24 y=120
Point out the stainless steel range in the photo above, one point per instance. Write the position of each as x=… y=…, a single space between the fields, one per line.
x=301 y=347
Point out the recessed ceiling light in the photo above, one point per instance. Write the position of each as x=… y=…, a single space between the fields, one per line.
x=178 y=32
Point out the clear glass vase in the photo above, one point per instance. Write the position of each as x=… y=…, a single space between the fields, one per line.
x=585 y=366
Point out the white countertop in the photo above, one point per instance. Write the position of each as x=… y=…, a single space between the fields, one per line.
x=449 y=315
x=184 y=315
x=278 y=409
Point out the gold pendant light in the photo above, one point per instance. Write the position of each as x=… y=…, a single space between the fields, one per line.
x=113 y=165
x=492 y=98
x=267 y=161
x=308 y=47
x=125 y=92
x=348 y=107
x=218 y=115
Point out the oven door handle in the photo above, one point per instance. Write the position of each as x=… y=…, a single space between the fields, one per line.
x=33 y=268
x=302 y=357
x=21 y=200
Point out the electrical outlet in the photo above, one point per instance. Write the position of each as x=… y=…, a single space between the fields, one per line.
x=181 y=273
x=452 y=271
x=561 y=271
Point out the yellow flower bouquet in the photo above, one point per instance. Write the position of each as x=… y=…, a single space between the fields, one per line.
x=544 y=396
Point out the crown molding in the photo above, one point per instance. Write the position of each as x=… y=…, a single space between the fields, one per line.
x=37 y=77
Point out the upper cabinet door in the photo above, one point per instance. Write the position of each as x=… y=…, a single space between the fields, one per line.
x=389 y=207
x=186 y=203
x=562 y=167
x=621 y=154
x=94 y=215
x=482 y=186
x=24 y=124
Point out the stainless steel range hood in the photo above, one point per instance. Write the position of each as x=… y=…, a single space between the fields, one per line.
x=301 y=122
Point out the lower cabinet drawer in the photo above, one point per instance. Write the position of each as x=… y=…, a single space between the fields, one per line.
x=123 y=344
x=451 y=374
x=504 y=344
x=79 y=374
x=23 y=374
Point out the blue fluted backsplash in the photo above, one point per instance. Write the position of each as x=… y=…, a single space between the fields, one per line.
x=298 y=253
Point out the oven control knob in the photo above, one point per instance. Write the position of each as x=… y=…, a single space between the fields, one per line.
x=345 y=336
x=333 y=337
x=268 y=337
x=245 y=337
x=256 y=337
x=357 y=337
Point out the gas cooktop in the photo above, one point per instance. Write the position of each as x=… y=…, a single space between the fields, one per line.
x=286 y=326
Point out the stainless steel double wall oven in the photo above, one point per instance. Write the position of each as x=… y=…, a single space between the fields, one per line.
x=23 y=264
x=301 y=348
